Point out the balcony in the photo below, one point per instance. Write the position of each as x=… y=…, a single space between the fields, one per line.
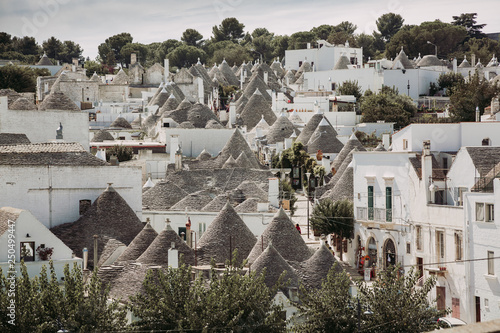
x=374 y=214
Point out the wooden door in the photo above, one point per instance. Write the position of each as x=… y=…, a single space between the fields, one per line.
x=478 y=309
x=441 y=298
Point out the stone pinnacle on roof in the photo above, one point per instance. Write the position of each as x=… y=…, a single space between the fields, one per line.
x=403 y=59
x=140 y=243
x=325 y=139
x=204 y=155
x=226 y=233
x=285 y=238
x=44 y=61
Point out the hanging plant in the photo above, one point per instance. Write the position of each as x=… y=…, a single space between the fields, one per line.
x=44 y=253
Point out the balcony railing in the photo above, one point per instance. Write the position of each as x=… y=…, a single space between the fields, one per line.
x=374 y=214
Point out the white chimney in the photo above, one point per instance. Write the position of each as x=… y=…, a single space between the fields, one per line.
x=85 y=258
x=386 y=140
x=201 y=91
x=232 y=114
x=274 y=191
x=455 y=66
x=133 y=59
x=174 y=145
x=308 y=45
x=427 y=168
x=478 y=115
x=288 y=143
x=173 y=256
x=166 y=69
x=473 y=60
x=266 y=77
x=178 y=159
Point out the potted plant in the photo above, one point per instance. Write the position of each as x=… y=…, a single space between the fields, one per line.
x=44 y=253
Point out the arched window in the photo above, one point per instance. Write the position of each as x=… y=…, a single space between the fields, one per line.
x=389 y=253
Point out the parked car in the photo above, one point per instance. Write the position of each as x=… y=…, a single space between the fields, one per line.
x=446 y=322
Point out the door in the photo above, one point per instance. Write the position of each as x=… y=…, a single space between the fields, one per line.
x=478 y=309
x=441 y=298
x=420 y=267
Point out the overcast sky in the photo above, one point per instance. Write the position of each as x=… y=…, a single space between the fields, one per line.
x=90 y=22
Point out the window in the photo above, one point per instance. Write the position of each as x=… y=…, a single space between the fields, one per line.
x=388 y=204
x=491 y=267
x=84 y=205
x=405 y=144
x=202 y=227
x=300 y=63
x=440 y=250
x=28 y=251
x=485 y=142
x=458 y=245
x=408 y=248
x=489 y=212
x=479 y=211
x=419 y=237
x=370 y=202
x=460 y=195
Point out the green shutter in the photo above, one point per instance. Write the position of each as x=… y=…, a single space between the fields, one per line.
x=388 y=204
x=370 y=202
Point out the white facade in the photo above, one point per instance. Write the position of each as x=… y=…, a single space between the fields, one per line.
x=446 y=137
x=53 y=193
x=27 y=229
x=41 y=126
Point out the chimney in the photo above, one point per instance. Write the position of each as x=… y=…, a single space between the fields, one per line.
x=274 y=190
x=113 y=160
x=386 y=140
x=478 y=115
x=178 y=159
x=173 y=256
x=85 y=258
x=427 y=168
x=473 y=60
x=174 y=145
x=75 y=62
x=201 y=90
x=455 y=66
x=133 y=58
x=188 y=233
x=308 y=45
x=166 y=69
x=266 y=77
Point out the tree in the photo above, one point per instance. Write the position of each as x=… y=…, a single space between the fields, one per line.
x=367 y=42
x=139 y=49
x=185 y=56
x=329 y=309
x=233 y=301
x=468 y=20
x=20 y=79
x=351 y=88
x=26 y=45
x=449 y=80
x=164 y=49
x=230 y=29
x=300 y=39
x=334 y=218
x=467 y=95
x=114 y=44
x=192 y=37
x=122 y=153
x=233 y=53
x=389 y=106
x=483 y=48
x=388 y=25
x=70 y=50
x=52 y=47
x=279 y=45
x=397 y=305
x=288 y=193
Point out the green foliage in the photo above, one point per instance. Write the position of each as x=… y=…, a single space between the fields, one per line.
x=123 y=153
x=468 y=21
x=93 y=66
x=192 y=37
x=334 y=218
x=300 y=39
x=233 y=53
x=466 y=96
x=63 y=51
x=388 y=106
x=229 y=29
x=368 y=43
x=397 y=305
x=185 y=56
x=351 y=88
x=233 y=301
x=43 y=305
x=367 y=140
x=139 y=49
x=329 y=309
x=161 y=51
x=20 y=79
x=449 y=80
x=388 y=25
x=109 y=51
x=413 y=39
x=483 y=48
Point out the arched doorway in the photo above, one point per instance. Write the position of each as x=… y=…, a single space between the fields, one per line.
x=389 y=253
x=371 y=252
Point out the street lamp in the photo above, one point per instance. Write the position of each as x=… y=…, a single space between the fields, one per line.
x=308 y=174
x=435 y=48
x=253 y=50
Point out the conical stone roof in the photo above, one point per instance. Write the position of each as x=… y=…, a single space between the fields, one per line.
x=295 y=118
x=380 y=147
x=44 y=61
x=342 y=63
x=248 y=206
x=204 y=155
x=161 y=98
x=429 y=60
x=213 y=124
x=120 y=122
x=273 y=264
x=109 y=216
x=242 y=161
x=256 y=83
x=22 y=103
x=309 y=128
x=240 y=103
x=102 y=135
x=194 y=201
x=248 y=189
x=216 y=204
x=325 y=139
x=352 y=143
x=403 y=59
x=345 y=163
x=58 y=101
x=289 y=78
x=95 y=77
x=344 y=188
x=228 y=74
x=226 y=233
x=255 y=108
x=305 y=67
x=162 y=196
x=230 y=163
x=284 y=237
x=140 y=243
x=200 y=114
x=314 y=270
x=280 y=130
x=157 y=252
x=120 y=78
x=235 y=146
x=170 y=104
x=12 y=96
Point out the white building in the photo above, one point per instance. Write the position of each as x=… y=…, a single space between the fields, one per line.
x=30 y=235
x=57 y=181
